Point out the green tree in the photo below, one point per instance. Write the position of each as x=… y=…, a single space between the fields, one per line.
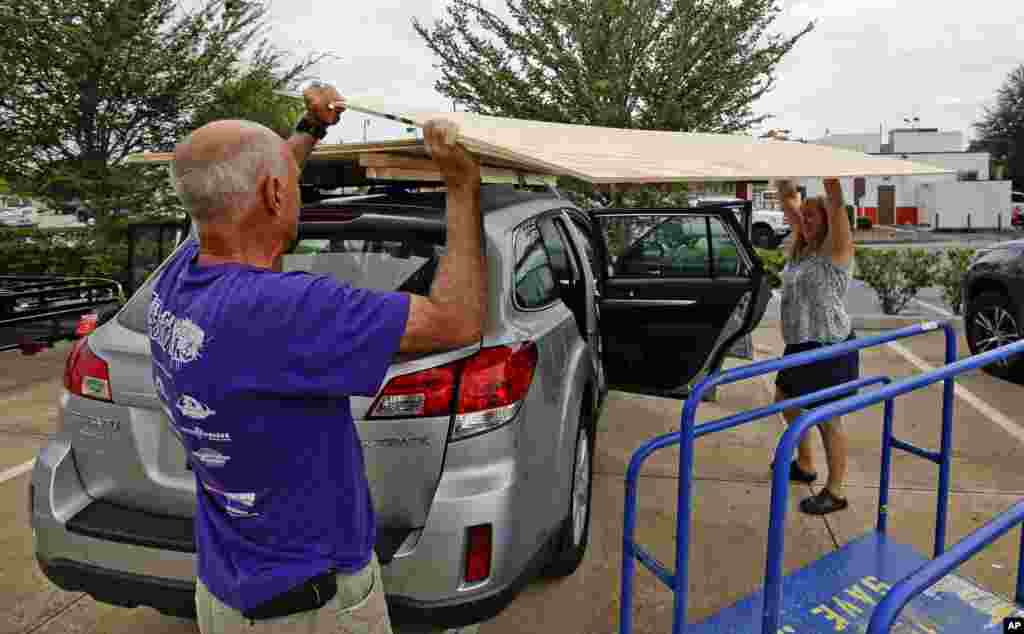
x=684 y=65
x=252 y=97
x=92 y=81
x=1001 y=130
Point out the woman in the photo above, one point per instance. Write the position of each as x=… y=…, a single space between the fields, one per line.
x=815 y=281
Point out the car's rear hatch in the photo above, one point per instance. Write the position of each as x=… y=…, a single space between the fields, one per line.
x=142 y=465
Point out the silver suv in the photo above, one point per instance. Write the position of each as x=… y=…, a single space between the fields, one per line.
x=480 y=459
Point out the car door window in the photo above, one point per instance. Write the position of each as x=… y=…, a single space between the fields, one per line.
x=589 y=251
x=657 y=246
x=725 y=252
x=534 y=277
x=568 y=245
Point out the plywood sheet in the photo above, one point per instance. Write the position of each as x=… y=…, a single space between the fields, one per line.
x=393 y=161
x=612 y=155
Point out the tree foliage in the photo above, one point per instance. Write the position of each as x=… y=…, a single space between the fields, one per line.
x=92 y=81
x=1001 y=129
x=896 y=275
x=252 y=97
x=684 y=65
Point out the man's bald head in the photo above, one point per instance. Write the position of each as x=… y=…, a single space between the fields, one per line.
x=217 y=168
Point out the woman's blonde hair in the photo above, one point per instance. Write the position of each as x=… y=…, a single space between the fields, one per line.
x=801 y=246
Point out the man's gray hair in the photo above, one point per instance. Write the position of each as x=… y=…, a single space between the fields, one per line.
x=209 y=189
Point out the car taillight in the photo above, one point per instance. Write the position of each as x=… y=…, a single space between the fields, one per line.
x=494 y=383
x=86 y=324
x=85 y=374
x=424 y=393
x=478 y=553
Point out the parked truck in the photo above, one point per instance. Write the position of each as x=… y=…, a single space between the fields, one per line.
x=768 y=227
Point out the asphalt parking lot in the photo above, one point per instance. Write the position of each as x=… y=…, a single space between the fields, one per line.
x=730 y=499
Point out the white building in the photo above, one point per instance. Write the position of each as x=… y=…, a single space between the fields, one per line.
x=965 y=198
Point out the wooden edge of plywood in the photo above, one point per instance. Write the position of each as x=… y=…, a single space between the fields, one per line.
x=371 y=146
x=422 y=162
x=487 y=176
x=154 y=158
x=394 y=167
x=396 y=161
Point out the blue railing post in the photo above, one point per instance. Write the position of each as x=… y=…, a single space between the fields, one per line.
x=946 y=446
x=628 y=558
x=883 y=480
x=1020 y=570
x=776 y=527
x=777 y=513
x=629 y=549
x=685 y=500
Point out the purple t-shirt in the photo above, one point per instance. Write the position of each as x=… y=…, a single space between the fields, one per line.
x=255 y=368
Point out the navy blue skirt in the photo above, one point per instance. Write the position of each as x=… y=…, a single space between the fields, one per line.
x=804 y=379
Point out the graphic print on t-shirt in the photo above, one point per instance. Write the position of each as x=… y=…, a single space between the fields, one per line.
x=211 y=457
x=230 y=500
x=180 y=338
x=198 y=432
x=161 y=389
x=192 y=408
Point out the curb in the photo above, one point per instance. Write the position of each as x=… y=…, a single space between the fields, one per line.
x=894 y=322
x=877 y=321
x=866 y=243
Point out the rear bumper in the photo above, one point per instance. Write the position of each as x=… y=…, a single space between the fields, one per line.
x=172 y=597
x=131 y=558
x=175 y=597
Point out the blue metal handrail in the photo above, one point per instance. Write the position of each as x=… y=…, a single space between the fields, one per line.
x=903 y=592
x=790 y=439
x=633 y=550
x=689 y=431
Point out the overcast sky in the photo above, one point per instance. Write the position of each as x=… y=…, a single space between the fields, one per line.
x=868 y=62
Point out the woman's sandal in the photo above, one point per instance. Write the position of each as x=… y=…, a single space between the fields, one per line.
x=796 y=474
x=823 y=503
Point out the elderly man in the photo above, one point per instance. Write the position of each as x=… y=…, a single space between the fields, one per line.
x=255 y=368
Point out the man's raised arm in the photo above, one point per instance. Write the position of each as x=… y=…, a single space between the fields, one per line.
x=324 y=106
x=455 y=312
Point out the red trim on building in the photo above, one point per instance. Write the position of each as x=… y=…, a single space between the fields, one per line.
x=906 y=215
x=870 y=212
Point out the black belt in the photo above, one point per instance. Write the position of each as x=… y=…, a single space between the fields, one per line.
x=311 y=595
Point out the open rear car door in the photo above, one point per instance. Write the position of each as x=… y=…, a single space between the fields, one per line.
x=679 y=288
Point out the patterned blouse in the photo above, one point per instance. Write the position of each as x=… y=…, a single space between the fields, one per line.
x=813 y=288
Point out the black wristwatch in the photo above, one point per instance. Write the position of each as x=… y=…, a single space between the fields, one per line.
x=317 y=131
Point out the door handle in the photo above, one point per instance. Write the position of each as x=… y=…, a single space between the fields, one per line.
x=654 y=270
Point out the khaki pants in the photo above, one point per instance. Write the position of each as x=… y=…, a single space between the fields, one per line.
x=358 y=608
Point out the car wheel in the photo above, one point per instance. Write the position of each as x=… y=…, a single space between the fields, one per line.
x=992 y=322
x=571 y=542
x=763 y=237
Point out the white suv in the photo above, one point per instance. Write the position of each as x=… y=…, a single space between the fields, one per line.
x=768 y=228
